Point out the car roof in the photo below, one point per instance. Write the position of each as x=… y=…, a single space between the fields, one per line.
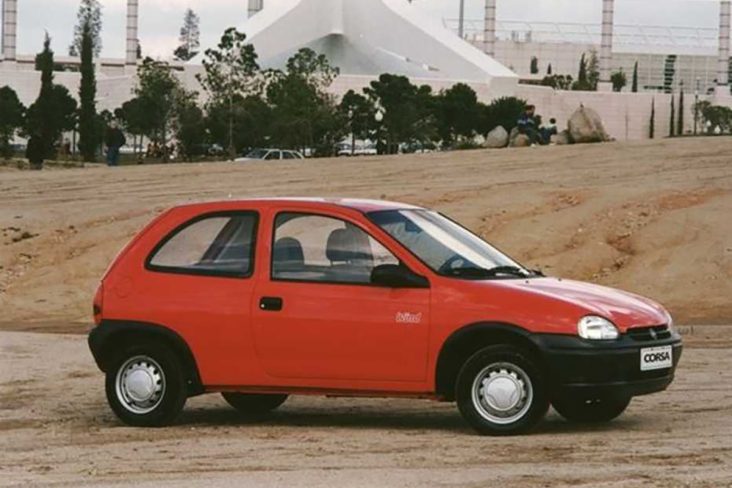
x=361 y=205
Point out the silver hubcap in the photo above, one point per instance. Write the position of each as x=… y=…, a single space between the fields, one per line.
x=502 y=393
x=140 y=384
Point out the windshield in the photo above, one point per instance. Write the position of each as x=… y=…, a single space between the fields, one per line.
x=445 y=246
x=258 y=154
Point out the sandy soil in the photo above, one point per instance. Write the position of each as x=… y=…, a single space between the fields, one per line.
x=652 y=217
x=56 y=429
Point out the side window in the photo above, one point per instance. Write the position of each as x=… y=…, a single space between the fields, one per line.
x=215 y=245
x=288 y=155
x=272 y=155
x=324 y=249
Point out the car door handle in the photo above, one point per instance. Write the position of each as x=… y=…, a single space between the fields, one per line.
x=270 y=304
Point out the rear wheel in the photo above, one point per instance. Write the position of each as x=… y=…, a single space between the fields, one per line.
x=145 y=386
x=500 y=391
x=603 y=409
x=254 y=404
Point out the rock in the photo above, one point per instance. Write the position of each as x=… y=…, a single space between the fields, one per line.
x=585 y=125
x=497 y=138
x=518 y=140
x=562 y=138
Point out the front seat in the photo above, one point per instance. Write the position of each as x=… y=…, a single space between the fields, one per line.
x=349 y=253
x=287 y=257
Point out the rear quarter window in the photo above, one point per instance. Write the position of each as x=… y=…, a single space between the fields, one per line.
x=214 y=245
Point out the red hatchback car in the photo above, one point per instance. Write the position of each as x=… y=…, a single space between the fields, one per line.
x=261 y=299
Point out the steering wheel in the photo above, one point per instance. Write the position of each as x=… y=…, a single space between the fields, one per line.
x=449 y=265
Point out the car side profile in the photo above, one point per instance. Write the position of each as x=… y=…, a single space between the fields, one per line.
x=261 y=299
x=270 y=155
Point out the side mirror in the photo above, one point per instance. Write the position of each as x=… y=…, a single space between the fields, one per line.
x=396 y=276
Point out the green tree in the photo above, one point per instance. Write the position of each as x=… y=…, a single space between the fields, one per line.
x=160 y=91
x=406 y=110
x=593 y=70
x=549 y=69
x=672 y=123
x=134 y=119
x=534 y=67
x=618 y=80
x=11 y=119
x=231 y=74
x=680 y=121
x=504 y=111
x=558 y=82
x=634 y=85
x=304 y=114
x=360 y=112
x=89 y=135
x=250 y=121
x=652 y=124
x=457 y=114
x=50 y=115
x=190 y=37
x=190 y=127
x=89 y=14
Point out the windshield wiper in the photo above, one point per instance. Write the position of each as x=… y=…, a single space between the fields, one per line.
x=476 y=272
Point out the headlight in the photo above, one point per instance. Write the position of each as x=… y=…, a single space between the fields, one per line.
x=597 y=328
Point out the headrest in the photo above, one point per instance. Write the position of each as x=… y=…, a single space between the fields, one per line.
x=288 y=250
x=347 y=246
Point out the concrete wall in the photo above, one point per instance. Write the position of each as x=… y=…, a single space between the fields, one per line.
x=626 y=116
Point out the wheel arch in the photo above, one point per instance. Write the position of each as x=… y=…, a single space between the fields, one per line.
x=466 y=341
x=112 y=336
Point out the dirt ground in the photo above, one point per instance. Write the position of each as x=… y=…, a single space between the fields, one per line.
x=56 y=429
x=651 y=217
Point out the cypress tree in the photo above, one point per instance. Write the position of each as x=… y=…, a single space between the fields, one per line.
x=549 y=69
x=672 y=123
x=652 y=127
x=88 y=133
x=680 y=121
x=41 y=141
x=582 y=75
x=634 y=87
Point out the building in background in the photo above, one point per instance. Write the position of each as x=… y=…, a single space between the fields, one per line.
x=365 y=38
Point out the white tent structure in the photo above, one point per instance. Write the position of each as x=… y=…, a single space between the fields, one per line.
x=365 y=38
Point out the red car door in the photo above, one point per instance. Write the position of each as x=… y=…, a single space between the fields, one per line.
x=319 y=318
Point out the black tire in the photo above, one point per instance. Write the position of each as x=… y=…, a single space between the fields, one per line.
x=254 y=404
x=169 y=403
x=500 y=362
x=591 y=410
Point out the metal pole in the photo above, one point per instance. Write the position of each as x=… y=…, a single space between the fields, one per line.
x=461 y=21
x=606 y=45
x=10 y=29
x=489 y=28
x=132 y=18
x=724 y=29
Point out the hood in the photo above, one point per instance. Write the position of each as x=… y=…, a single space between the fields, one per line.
x=626 y=310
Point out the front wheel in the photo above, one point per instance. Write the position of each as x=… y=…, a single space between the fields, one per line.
x=254 y=404
x=591 y=410
x=500 y=391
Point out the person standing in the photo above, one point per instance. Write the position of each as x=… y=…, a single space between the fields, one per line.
x=114 y=140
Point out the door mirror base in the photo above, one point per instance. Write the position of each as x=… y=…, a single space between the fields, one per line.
x=397 y=276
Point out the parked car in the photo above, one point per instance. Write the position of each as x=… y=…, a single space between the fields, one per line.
x=261 y=299
x=270 y=155
x=360 y=150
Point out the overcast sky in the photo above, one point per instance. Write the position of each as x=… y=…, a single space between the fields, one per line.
x=160 y=20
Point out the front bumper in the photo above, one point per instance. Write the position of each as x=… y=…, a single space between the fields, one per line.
x=583 y=368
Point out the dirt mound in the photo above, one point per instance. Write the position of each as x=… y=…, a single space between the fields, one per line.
x=651 y=217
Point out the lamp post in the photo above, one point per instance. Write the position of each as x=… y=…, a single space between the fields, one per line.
x=353 y=133
x=461 y=20
x=379 y=118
